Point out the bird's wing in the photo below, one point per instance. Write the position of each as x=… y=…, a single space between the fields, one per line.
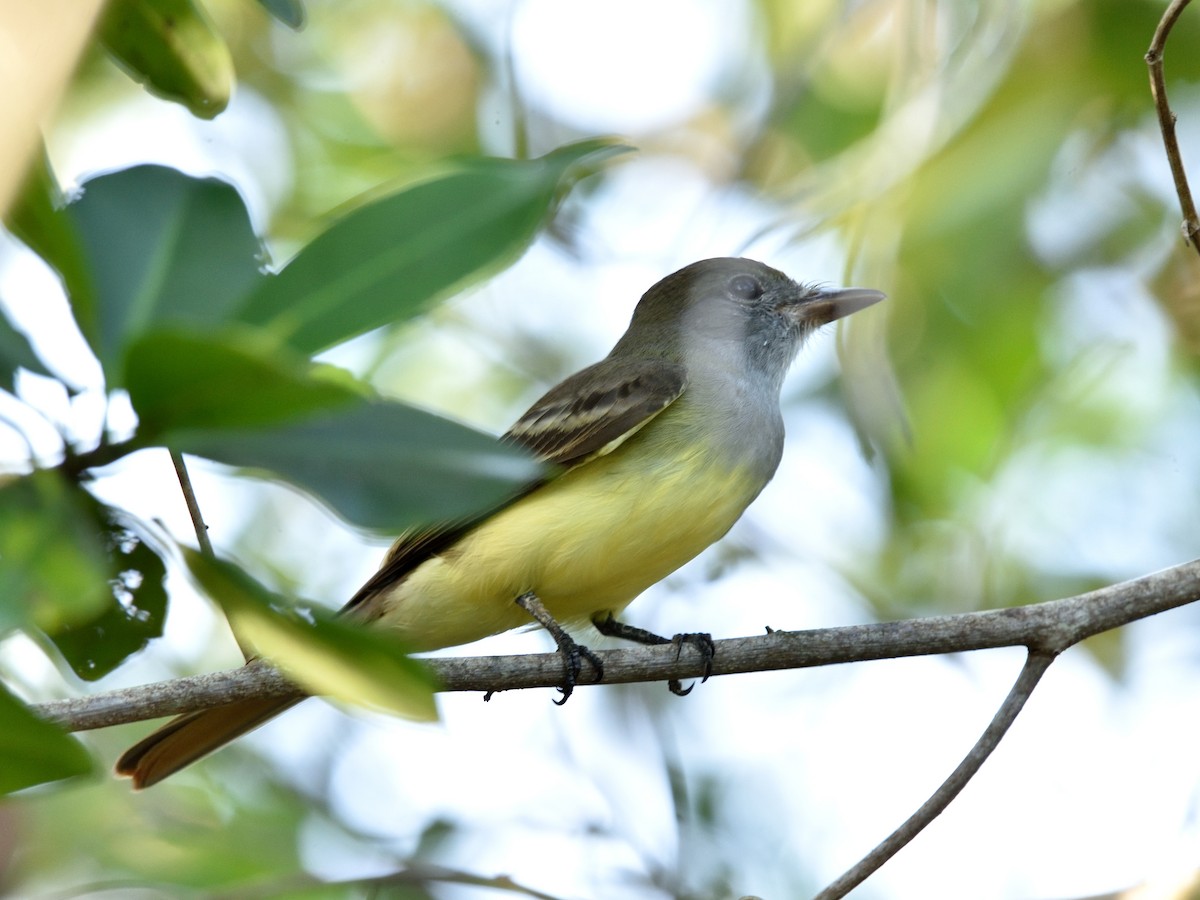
x=587 y=415
x=594 y=411
x=410 y=550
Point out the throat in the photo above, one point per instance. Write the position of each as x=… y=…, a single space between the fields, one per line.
x=738 y=424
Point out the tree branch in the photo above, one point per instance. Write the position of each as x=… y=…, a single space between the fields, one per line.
x=1166 y=121
x=1035 y=667
x=1047 y=628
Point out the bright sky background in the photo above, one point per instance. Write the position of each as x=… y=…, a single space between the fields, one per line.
x=846 y=753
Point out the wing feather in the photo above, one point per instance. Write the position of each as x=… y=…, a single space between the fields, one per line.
x=585 y=416
x=593 y=411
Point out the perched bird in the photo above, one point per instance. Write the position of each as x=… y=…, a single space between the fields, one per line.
x=663 y=444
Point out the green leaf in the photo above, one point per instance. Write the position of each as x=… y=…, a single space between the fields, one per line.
x=390 y=259
x=16 y=352
x=32 y=751
x=289 y=12
x=137 y=604
x=171 y=48
x=163 y=249
x=36 y=218
x=53 y=569
x=322 y=653
x=220 y=380
x=382 y=466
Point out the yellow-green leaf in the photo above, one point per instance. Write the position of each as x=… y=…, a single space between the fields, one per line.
x=323 y=654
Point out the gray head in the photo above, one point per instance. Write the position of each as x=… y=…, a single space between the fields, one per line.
x=736 y=313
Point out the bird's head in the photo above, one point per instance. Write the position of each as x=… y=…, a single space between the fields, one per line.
x=739 y=312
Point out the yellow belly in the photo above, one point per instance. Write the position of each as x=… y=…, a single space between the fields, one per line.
x=587 y=543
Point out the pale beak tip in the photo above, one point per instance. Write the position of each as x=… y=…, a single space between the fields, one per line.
x=831 y=305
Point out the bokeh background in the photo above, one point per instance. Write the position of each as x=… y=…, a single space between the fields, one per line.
x=1016 y=423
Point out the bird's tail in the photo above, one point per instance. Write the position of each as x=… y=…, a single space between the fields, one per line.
x=187 y=738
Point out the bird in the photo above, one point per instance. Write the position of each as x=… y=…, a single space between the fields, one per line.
x=658 y=449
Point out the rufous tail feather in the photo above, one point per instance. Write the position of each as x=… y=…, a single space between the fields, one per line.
x=185 y=739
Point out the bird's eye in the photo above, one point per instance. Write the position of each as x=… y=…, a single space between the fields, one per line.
x=746 y=287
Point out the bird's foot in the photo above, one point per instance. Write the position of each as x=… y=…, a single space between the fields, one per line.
x=702 y=641
x=573 y=653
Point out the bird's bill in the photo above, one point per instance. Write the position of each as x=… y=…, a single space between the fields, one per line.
x=830 y=305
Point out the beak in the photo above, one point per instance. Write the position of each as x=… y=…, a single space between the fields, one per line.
x=824 y=307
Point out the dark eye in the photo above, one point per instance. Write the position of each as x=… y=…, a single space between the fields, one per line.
x=745 y=286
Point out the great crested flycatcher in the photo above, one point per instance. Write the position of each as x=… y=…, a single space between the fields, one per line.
x=664 y=444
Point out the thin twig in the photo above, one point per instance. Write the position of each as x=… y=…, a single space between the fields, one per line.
x=1049 y=627
x=1166 y=121
x=1035 y=666
x=201 y=529
x=413 y=875
x=189 y=497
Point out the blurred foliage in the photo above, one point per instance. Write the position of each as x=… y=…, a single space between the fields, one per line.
x=36 y=220
x=134 y=613
x=161 y=249
x=992 y=165
x=170 y=47
x=163 y=275
x=32 y=751
x=427 y=241
x=55 y=566
x=337 y=660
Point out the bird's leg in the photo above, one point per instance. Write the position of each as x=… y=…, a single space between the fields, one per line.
x=700 y=640
x=572 y=652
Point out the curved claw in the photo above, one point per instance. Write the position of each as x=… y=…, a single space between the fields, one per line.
x=573 y=653
x=678 y=689
x=703 y=642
